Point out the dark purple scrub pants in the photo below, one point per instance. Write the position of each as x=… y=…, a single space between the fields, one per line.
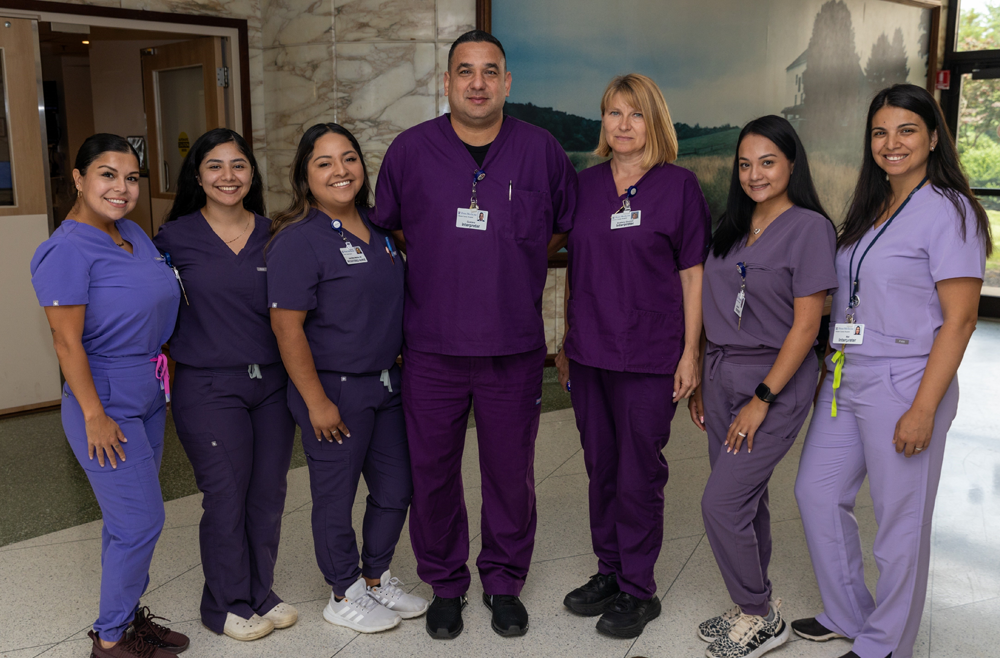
x=505 y=394
x=376 y=448
x=624 y=422
x=735 y=503
x=238 y=434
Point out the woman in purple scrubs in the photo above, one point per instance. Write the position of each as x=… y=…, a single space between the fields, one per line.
x=634 y=324
x=910 y=264
x=766 y=282
x=111 y=303
x=230 y=409
x=335 y=287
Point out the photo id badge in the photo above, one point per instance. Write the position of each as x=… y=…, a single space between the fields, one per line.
x=740 y=299
x=472 y=218
x=626 y=219
x=353 y=255
x=848 y=334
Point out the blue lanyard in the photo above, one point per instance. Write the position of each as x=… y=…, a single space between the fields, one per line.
x=477 y=176
x=854 y=300
x=626 y=205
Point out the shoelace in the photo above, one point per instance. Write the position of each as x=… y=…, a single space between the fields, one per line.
x=597 y=582
x=143 y=614
x=732 y=613
x=365 y=604
x=392 y=589
x=138 y=646
x=746 y=628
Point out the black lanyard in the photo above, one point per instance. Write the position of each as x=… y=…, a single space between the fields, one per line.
x=854 y=300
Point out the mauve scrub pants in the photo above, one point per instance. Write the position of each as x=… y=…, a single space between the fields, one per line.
x=505 y=394
x=624 y=422
x=237 y=432
x=838 y=453
x=735 y=503
x=377 y=449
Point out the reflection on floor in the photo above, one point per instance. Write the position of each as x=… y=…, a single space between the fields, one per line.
x=50 y=583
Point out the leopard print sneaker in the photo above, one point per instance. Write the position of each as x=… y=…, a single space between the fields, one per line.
x=751 y=636
x=717 y=627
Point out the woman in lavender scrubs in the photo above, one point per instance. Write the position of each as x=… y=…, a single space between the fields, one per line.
x=766 y=282
x=230 y=409
x=910 y=263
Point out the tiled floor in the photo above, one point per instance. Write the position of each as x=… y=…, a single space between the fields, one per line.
x=49 y=584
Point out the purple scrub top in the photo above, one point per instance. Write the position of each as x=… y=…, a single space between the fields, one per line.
x=626 y=307
x=131 y=299
x=792 y=258
x=227 y=323
x=470 y=292
x=899 y=301
x=354 y=322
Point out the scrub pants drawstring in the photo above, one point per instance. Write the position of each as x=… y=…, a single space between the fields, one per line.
x=163 y=374
x=838 y=371
x=254 y=371
x=385 y=380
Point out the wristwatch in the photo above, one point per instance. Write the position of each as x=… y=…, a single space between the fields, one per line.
x=764 y=393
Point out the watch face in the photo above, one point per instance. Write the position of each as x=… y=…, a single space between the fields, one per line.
x=764 y=393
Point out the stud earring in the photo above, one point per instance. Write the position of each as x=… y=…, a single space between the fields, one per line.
x=79 y=193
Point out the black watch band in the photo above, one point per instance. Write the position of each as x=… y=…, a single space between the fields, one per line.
x=764 y=393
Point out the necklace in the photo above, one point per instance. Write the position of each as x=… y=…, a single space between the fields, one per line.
x=240 y=235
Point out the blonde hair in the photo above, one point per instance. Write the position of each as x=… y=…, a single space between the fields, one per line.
x=641 y=93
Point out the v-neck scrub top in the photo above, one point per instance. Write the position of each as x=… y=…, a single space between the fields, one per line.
x=131 y=299
x=227 y=323
x=354 y=322
x=793 y=257
x=899 y=306
x=472 y=292
x=626 y=307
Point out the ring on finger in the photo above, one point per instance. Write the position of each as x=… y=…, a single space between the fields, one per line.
x=741 y=434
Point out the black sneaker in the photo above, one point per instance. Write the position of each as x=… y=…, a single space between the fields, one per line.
x=811 y=629
x=593 y=598
x=628 y=615
x=510 y=619
x=444 y=617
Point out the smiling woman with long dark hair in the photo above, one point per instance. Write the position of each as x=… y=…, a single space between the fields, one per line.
x=910 y=264
x=229 y=407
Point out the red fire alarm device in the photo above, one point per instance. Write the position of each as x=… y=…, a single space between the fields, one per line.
x=943 y=80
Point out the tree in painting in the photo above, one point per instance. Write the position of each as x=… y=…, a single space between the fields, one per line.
x=887 y=63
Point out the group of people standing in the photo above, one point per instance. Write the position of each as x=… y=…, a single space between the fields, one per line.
x=300 y=320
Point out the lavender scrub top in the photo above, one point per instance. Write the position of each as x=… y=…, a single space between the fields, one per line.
x=899 y=300
x=227 y=323
x=354 y=319
x=131 y=299
x=792 y=258
x=472 y=292
x=626 y=306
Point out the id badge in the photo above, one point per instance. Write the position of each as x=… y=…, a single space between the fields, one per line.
x=472 y=218
x=740 y=300
x=848 y=334
x=353 y=255
x=626 y=219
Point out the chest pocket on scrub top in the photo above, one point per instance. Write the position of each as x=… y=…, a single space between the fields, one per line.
x=530 y=215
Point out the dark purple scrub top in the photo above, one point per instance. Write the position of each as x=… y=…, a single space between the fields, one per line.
x=227 y=323
x=131 y=299
x=469 y=292
x=354 y=322
x=793 y=258
x=626 y=306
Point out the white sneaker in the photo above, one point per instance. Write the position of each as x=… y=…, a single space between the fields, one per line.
x=390 y=594
x=245 y=630
x=359 y=611
x=282 y=615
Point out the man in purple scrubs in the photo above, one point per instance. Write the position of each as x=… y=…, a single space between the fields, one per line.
x=477 y=253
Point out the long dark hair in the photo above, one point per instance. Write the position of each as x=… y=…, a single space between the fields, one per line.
x=298 y=175
x=734 y=225
x=96 y=145
x=190 y=195
x=873 y=194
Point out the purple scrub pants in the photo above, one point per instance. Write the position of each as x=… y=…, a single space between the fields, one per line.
x=624 y=422
x=129 y=496
x=505 y=394
x=837 y=454
x=376 y=448
x=238 y=434
x=735 y=503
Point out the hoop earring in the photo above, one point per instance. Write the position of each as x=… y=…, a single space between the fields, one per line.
x=79 y=193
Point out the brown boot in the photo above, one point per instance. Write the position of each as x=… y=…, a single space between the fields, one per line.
x=157 y=635
x=131 y=645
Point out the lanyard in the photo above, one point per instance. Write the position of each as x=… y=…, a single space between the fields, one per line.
x=177 y=274
x=477 y=176
x=390 y=248
x=854 y=301
x=626 y=205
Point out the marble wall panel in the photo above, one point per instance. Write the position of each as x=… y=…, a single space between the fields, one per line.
x=384 y=20
x=455 y=18
x=278 y=188
x=300 y=91
x=95 y=3
x=297 y=22
x=441 y=64
x=384 y=88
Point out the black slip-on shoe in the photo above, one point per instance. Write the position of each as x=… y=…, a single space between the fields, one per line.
x=628 y=615
x=811 y=629
x=510 y=619
x=593 y=598
x=444 y=617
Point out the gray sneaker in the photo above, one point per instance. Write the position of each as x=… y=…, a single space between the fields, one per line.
x=390 y=594
x=359 y=611
x=751 y=636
